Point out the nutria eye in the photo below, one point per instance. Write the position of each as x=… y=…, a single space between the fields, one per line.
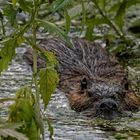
x=84 y=84
x=125 y=83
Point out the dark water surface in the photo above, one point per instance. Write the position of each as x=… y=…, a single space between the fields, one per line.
x=67 y=124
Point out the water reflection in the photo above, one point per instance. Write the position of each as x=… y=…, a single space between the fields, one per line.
x=67 y=124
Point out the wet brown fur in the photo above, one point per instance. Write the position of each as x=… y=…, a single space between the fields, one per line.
x=88 y=60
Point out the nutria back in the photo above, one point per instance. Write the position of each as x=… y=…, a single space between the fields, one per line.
x=91 y=78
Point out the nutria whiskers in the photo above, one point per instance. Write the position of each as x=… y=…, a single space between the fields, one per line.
x=91 y=78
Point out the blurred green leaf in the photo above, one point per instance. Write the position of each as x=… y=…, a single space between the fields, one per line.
x=26 y=5
x=61 y=4
x=77 y=10
x=52 y=29
x=132 y=3
x=14 y=2
x=119 y=18
x=10 y=12
x=93 y=22
x=23 y=111
x=115 y=7
x=101 y=4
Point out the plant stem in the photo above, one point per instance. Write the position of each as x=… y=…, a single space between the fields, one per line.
x=37 y=105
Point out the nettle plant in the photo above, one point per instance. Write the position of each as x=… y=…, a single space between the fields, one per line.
x=25 y=115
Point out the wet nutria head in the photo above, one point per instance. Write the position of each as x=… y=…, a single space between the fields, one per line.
x=106 y=99
x=91 y=78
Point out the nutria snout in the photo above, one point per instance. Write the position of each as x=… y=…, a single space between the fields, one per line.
x=90 y=77
x=107 y=108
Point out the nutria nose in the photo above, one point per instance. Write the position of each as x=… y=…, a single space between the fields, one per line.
x=108 y=105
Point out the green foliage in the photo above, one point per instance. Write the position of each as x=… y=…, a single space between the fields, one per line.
x=11 y=12
x=52 y=29
x=119 y=18
x=61 y=4
x=7 y=53
x=48 y=78
x=22 y=111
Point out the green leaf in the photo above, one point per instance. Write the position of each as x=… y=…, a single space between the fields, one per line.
x=20 y=40
x=23 y=107
x=7 y=53
x=48 y=78
x=91 y=23
x=10 y=12
x=90 y=26
x=129 y=3
x=61 y=4
x=53 y=29
x=77 y=10
x=68 y=20
x=48 y=83
x=51 y=59
x=14 y=2
x=33 y=131
x=26 y=5
x=119 y=18
x=132 y=2
x=101 y=4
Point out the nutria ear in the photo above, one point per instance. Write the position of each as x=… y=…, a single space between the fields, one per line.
x=83 y=83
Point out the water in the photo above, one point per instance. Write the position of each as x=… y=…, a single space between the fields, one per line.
x=67 y=124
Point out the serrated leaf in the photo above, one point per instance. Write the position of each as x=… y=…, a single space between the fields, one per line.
x=51 y=59
x=7 y=53
x=48 y=78
x=61 y=4
x=119 y=18
x=48 y=83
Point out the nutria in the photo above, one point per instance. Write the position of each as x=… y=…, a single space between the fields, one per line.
x=91 y=78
